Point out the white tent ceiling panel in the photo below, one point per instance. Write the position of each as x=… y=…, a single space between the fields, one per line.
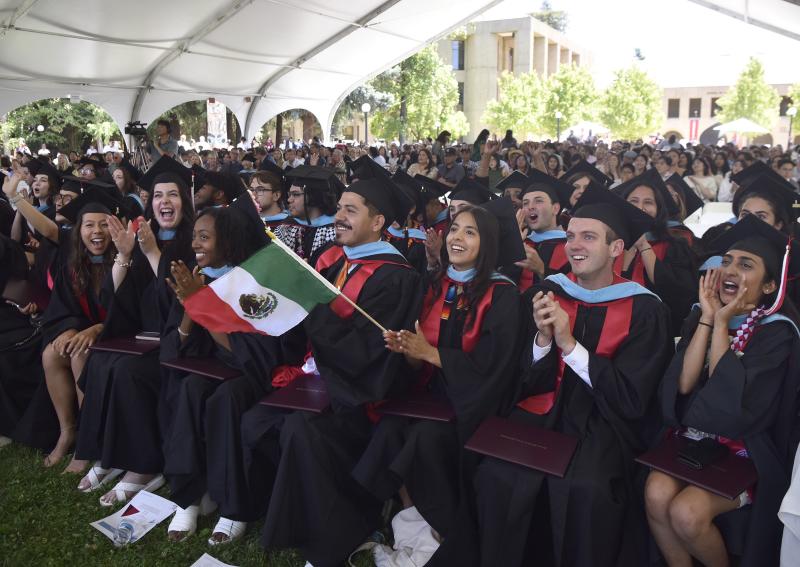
x=139 y=59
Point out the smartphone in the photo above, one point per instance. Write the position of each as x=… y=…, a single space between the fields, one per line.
x=148 y=336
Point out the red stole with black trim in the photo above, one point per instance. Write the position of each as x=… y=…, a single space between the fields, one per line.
x=616 y=328
x=558 y=259
x=636 y=268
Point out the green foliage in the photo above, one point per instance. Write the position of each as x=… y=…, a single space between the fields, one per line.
x=457 y=124
x=67 y=126
x=192 y=117
x=520 y=104
x=631 y=106
x=794 y=94
x=45 y=522
x=351 y=105
x=556 y=19
x=424 y=94
x=751 y=97
x=570 y=91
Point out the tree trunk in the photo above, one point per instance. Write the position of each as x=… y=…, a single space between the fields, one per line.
x=278 y=129
x=308 y=126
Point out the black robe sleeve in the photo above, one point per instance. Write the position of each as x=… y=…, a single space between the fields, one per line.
x=350 y=353
x=63 y=312
x=676 y=281
x=477 y=382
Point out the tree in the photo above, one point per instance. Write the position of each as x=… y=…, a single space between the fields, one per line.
x=570 y=91
x=457 y=124
x=351 y=105
x=519 y=106
x=794 y=94
x=631 y=106
x=424 y=94
x=556 y=19
x=751 y=97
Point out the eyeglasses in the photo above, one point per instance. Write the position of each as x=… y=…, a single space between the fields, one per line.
x=262 y=189
x=86 y=170
x=63 y=199
x=296 y=194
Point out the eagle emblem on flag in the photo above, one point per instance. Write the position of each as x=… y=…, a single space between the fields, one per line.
x=257 y=306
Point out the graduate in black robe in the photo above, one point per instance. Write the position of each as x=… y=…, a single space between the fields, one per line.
x=613 y=339
x=315 y=504
x=124 y=415
x=659 y=261
x=74 y=318
x=20 y=339
x=742 y=393
x=466 y=348
x=312 y=201
x=203 y=447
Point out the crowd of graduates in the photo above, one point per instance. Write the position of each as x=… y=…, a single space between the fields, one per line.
x=502 y=309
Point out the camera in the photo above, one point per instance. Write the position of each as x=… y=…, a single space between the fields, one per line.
x=136 y=128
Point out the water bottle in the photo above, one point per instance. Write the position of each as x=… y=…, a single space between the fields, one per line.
x=124 y=533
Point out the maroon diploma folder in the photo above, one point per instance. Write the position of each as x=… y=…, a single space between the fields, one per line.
x=306 y=392
x=210 y=367
x=125 y=345
x=420 y=406
x=527 y=445
x=728 y=477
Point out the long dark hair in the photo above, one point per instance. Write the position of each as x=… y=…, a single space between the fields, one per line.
x=183 y=234
x=781 y=215
x=128 y=184
x=659 y=229
x=235 y=240
x=428 y=153
x=79 y=264
x=485 y=263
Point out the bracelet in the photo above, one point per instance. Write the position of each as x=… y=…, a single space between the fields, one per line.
x=122 y=264
x=16 y=198
x=705 y=324
x=181 y=333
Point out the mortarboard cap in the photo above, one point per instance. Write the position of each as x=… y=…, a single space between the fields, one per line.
x=654 y=182
x=165 y=164
x=367 y=168
x=753 y=235
x=628 y=222
x=690 y=198
x=773 y=187
x=471 y=191
x=225 y=182
x=431 y=189
x=247 y=208
x=316 y=178
x=750 y=173
x=559 y=191
x=269 y=165
x=134 y=172
x=111 y=199
x=516 y=180
x=384 y=194
x=510 y=246
x=89 y=160
x=583 y=167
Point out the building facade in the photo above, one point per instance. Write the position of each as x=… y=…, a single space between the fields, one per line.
x=519 y=45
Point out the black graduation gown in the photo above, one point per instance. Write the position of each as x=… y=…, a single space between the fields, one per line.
x=752 y=398
x=595 y=517
x=203 y=447
x=316 y=505
x=424 y=454
x=676 y=277
x=412 y=248
x=121 y=418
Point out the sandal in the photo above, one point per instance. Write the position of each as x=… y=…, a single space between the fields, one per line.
x=122 y=489
x=185 y=519
x=231 y=529
x=98 y=477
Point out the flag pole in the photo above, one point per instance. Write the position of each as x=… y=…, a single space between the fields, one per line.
x=277 y=241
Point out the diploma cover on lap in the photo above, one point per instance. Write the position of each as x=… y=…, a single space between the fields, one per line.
x=420 y=406
x=527 y=445
x=728 y=477
x=307 y=392
x=125 y=345
x=209 y=367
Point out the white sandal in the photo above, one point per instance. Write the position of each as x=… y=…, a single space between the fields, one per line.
x=185 y=519
x=121 y=490
x=231 y=529
x=98 y=477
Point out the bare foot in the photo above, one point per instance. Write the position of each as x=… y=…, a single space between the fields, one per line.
x=76 y=466
x=64 y=444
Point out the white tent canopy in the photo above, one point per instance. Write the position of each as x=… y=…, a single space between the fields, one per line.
x=260 y=57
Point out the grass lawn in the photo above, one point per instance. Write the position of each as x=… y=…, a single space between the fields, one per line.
x=44 y=521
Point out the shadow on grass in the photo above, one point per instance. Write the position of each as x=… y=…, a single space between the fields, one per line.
x=44 y=521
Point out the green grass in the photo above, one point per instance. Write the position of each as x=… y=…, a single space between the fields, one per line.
x=44 y=521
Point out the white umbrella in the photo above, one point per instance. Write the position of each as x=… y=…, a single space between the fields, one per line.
x=742 y=125
x=587 y=127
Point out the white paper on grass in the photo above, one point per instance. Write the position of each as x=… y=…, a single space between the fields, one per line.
x=145 y=511
x=207 y=561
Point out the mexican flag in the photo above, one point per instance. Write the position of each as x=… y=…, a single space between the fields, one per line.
x=269 y=293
